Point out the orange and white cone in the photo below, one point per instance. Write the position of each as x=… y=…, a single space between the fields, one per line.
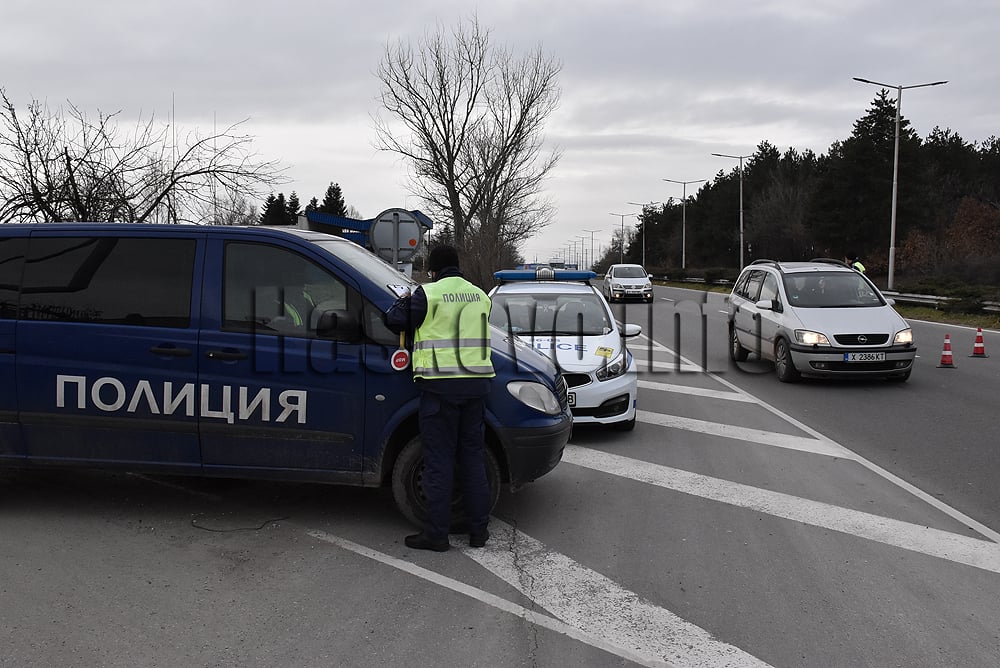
x=979 y=347
x=946 y=359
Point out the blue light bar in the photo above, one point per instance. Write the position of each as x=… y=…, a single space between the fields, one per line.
x=543 y=274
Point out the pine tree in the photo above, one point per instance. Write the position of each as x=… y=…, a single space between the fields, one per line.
x=313 y=205
x=268 y=209
x=333 y=201
x=292 y=208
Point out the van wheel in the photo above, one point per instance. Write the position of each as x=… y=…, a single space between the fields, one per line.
x=783 y=365
x=408 y=490
x=737 y=352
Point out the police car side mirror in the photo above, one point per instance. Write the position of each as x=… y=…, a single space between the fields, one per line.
x=631 y=330
x=339 y=325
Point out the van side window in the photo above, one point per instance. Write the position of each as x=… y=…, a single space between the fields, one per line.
x=109 y=280
x=272 y=290
x=12 y=253
x=769 y=289
x=753 y=285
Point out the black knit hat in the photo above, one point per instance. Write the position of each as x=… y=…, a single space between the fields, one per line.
x=442 y=256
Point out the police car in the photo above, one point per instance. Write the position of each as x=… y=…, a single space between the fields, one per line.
x=561 y=315
x=235 y=352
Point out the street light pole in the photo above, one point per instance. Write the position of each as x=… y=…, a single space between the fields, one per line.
x=592 y=261
x=644 y=226
x=895 y=171
x=622 y=261
x=583 y=252
x=684 y=219
x=740 y=158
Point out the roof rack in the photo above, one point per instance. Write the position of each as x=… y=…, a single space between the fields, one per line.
x=830 y=260
x=773 y=263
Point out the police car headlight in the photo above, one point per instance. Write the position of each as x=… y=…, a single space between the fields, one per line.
x=534 y=395
x=808 y=338
x=904 y=337
x=616 y=367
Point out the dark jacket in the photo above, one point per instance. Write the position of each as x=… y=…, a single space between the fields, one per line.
x=406 y=315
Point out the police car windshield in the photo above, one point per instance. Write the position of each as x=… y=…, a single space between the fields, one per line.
x=830 y=290
x=381 y=273
x=555 y=315
x=629 y=272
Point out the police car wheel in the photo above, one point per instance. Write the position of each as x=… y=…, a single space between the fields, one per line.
x=408 y=492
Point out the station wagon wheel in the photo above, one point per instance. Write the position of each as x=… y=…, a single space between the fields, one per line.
x=783 y=365
x=737 y=352
x=408 y=490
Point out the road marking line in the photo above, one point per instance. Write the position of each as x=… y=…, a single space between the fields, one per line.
x=915 y=538
x=772 y=438
x=486 y=597
x=641 y=365
x=598 y=606
x=697 y=391
x=930 y=500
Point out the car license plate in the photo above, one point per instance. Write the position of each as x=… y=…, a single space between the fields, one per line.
x=571 y=398
x=864 y=357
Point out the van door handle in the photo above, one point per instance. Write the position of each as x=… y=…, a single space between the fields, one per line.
x=226 y=355
x=170 y=351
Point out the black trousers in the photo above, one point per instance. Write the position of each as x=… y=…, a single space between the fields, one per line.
x=453 y=434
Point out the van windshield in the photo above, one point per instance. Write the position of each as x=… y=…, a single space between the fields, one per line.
x=830 y=290
x=368 y=264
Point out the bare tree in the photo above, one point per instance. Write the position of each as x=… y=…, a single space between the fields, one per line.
x=64 y=166
x=472 y=117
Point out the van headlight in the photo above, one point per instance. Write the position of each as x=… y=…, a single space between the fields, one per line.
x=809 y=338
x=534 y=395
x=616 y=367
x=903 y=337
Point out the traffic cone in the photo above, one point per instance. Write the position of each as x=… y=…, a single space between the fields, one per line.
x=979 y=347
x=946 y=361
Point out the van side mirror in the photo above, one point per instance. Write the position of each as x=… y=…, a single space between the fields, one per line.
x=770 y=305
x=339 y=325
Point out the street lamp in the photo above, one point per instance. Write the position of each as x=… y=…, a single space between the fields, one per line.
x=591 y=247
x=895 y=170
x=623 y=234
x=740 y=158
x=684 y=201
x=583 y=251
x=643 y=226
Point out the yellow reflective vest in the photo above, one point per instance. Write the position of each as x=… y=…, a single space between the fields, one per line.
x=453 y=341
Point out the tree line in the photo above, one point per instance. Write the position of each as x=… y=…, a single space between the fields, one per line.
x=277 y=210
x=799 y=205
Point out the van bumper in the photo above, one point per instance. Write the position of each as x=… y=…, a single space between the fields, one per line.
x=533 y=452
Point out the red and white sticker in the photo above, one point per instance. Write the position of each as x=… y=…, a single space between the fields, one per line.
x=400 y=360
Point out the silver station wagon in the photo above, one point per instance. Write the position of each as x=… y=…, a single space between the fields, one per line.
x=817 y=318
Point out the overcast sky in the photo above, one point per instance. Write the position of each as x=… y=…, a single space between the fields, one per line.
x=650 y=88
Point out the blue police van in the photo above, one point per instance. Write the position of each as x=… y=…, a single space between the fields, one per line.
x=233 y=352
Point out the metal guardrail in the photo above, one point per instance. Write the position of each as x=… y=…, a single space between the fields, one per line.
x=933 y=300
x=901 y=297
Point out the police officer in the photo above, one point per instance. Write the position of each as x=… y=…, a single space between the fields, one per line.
x=452 y=366
x=854 y=262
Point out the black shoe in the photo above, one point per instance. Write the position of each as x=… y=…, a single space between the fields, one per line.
x=419 y=541
x=479 y=539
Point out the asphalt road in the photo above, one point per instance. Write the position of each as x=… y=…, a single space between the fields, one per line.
x=743 y=522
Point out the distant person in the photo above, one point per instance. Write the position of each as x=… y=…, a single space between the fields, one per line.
x=854 y=262
x=452 y=367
